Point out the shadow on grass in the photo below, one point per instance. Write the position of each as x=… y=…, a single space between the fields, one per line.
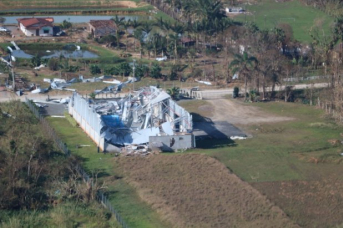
x=211 y=135
x=92 y=172
x=208 y=143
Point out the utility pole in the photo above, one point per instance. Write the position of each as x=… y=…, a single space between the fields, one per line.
x=13 y=85
x=12 y=59
x=133 y=68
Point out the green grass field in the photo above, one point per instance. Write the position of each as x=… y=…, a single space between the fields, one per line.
x=268 y=14
x=66 y=214
x=281 y=151
x=123 y=197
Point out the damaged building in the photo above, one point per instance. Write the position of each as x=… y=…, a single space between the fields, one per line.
x=147 y=117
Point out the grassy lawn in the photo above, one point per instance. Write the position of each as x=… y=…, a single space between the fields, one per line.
x=281 y=151
x=123 y=197
x=269 y=13
x=66 y=214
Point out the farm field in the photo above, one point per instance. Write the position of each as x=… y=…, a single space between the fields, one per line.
x=267 y=14
x=193 y=190
x=37 y=4
x=295 y=163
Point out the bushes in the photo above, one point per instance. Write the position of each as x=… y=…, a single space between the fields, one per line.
x=95 y=69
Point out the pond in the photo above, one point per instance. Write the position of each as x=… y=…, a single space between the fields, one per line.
x=66 y=52
x=77 y=19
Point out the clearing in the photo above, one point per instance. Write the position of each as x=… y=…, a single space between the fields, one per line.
x=221 y=118
x=242 y=113
x=193 y=190
x=267 y=14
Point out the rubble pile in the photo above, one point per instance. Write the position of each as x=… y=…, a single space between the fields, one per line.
x=134 y=119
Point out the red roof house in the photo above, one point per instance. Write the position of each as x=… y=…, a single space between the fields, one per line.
x=36 y=26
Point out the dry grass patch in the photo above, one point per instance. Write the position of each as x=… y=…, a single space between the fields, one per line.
x=309 y=203
x=194 y=190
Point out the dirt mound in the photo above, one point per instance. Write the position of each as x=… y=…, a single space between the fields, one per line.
x=193 y=190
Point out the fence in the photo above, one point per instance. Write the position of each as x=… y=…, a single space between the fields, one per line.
x=329 y=108
x=211 y=94
x=63 y=147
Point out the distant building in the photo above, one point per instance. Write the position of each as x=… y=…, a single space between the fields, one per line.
x=234 y=10
x=101 y=28
x=187 y=42
x=36 y=26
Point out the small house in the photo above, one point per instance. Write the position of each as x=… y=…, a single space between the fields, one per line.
x=36 y=26
x=234 y=10
x=187 y=42
x=101 y=28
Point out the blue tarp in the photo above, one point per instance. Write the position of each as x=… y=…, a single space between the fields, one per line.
x=112 y=121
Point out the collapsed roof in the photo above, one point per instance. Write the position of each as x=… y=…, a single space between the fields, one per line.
x=133 y=119
x=103 y=27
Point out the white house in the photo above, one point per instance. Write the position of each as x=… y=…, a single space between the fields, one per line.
x=36 y=26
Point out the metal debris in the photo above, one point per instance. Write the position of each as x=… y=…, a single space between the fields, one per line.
x=132 y=120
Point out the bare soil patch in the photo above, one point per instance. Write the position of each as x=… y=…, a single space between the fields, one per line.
x=194 y=190
x=309 y=203
x=240 y=113
x=126 y=4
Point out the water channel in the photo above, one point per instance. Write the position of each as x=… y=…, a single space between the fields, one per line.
x=55 y=53
x=77 y=18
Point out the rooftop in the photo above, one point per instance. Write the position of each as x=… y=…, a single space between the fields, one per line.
x=102 y=23
x=36 y=22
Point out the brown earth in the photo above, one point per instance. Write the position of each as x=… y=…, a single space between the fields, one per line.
x=310 y=203
x=236 y=112
x=194 y=190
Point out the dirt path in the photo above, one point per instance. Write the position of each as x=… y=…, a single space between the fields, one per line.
x=239 y=113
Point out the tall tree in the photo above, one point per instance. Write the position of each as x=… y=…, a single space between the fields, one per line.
x=243 y=64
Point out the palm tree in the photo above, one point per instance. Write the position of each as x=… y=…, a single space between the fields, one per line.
x=155 y=41
x=243 y=64
x=120 y=21
x=175 y=39
x=174 y=92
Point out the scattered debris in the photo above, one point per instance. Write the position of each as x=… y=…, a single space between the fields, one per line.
x=204 y=82
x=115 y=88
x=237 y=137
x=39 y=67
x=164 y=58
x=147 y=114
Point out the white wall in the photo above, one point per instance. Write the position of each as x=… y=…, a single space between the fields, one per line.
x=33 y=32
x=27 y=32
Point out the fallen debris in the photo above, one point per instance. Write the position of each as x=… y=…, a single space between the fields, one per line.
x=148 y=115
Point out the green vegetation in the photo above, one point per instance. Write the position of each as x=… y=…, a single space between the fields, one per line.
x=269 y=14
x=66 y=214
x=38 y=184
x=274 y=151
x=123 y=197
